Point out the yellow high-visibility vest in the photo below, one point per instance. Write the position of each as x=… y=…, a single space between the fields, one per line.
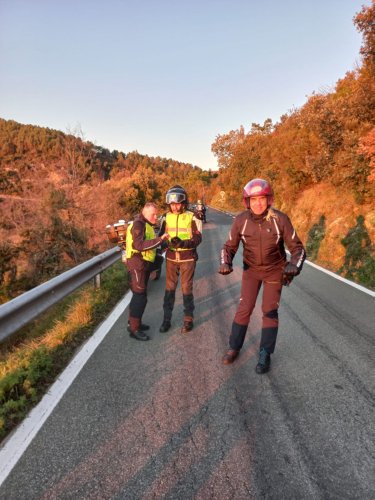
x=179 y=225
x=148 y=255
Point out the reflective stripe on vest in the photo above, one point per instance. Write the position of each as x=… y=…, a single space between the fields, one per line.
x=148 y=255
x=179 y=225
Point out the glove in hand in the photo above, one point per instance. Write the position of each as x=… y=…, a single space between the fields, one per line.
x=286 y=279
x=176 y=242
x=291 y=270
x=225 y=269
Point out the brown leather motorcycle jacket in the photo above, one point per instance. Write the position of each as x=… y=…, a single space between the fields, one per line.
x=263 y=238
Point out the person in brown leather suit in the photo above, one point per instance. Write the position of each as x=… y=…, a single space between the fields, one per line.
x=263 y=231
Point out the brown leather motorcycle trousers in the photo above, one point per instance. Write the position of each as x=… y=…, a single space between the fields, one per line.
x=252 y=281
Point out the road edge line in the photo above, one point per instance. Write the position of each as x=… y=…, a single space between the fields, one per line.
x=340 y=278
x=330 y=273
x=17 y=443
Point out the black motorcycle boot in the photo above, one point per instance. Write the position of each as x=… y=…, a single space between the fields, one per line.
x=168 y=304
x=188 y=301
x=135 y=331
x=264 y=362
x=143 y=327
x=165 y=326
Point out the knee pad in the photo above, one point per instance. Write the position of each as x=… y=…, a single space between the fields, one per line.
x=274 y=314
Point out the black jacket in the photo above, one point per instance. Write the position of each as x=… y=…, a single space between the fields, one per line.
x=263 y=239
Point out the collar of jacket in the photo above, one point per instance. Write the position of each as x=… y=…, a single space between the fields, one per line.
x=260 y=217
x=142 y=218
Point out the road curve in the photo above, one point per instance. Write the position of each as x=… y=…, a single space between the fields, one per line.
x=165 y=418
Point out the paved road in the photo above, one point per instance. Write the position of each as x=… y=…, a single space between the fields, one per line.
x=165 y=419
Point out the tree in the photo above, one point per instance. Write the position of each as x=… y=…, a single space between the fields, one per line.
x=365 y=23
x=225 y=146
x=367 y=148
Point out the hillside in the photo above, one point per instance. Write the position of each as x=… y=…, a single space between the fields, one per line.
x=320 y=160
x=58 y=192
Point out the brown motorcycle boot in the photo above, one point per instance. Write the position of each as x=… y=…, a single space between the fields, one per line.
x=135 y=331
x=188 y=325
x=230 y=356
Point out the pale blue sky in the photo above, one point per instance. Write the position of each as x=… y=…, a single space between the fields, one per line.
x=165 y=77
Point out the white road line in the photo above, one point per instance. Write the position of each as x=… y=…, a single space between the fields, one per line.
x=17 y=442
x=340 y=278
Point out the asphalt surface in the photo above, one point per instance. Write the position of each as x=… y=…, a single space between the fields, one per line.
x=165 y=418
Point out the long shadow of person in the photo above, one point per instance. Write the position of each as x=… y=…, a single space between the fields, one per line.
x=359 y=263
x=315 y=237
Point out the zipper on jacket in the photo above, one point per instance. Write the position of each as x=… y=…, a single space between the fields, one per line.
x=176 y=252
x=260 y=243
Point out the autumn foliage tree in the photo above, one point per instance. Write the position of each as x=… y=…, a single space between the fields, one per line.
x=59 y=191
x=329 y=138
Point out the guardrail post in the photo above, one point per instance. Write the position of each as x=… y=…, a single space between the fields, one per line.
x=97 y=281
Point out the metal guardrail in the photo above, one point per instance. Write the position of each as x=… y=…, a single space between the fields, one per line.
x=19 y=311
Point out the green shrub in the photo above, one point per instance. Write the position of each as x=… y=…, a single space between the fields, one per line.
x=359 y=263
x=315 y=237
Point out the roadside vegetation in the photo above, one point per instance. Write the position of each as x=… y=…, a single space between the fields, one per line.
x=320 y=159
x=58 y=192
x=30 y=362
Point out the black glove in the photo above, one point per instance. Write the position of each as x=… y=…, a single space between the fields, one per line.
x=286 y=279
x=225 y=269
x=176 y=242
x=290 y=271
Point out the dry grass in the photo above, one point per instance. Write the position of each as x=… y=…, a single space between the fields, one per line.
x=28 y=368
x=78 y=316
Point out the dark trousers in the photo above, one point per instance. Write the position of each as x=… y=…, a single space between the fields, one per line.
x=139 y=272
x=173 y=271
x=251 y=284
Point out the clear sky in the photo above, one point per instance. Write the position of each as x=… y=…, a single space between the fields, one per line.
x=165 y=77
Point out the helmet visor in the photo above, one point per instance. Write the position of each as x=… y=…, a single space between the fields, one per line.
x=175 y=198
